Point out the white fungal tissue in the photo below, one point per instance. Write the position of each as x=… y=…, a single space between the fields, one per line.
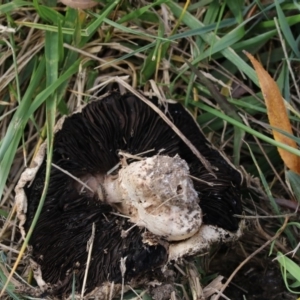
x=158 y=194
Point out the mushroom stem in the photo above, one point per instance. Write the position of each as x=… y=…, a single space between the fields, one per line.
x=158 y=194
x=202 y=240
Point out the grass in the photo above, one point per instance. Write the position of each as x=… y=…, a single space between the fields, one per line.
x=53 y=58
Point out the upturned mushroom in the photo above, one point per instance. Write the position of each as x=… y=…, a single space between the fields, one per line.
x=119 y=168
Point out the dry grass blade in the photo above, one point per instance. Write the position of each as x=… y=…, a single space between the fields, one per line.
x=89 y=251
x=213 y=286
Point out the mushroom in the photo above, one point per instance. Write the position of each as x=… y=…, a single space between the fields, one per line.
x=120 y=168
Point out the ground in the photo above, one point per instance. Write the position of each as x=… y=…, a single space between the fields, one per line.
x=54 y=58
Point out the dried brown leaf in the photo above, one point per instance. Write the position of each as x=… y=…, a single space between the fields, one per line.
x=277 y=114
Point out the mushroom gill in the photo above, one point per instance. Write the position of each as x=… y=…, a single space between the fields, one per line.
x=89 y=145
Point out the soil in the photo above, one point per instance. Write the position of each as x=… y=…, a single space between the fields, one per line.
x=259 y=279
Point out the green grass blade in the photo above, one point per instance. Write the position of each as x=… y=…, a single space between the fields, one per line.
x=41 y=97
x=93 y=27
x=17 y=119
x=52 y=59
x=212 y=13
x=202 y=30
x=47 y=13
x=246 y=128
x=286 y=30
x=269 y=25
x=294 y=180
x=13 y=5
x=20 y=119
x=134 y=32
x=265 y=184
x=209 y=38
x=153 y=58
x=137 y=13
x=236 y=7
x=288 y=267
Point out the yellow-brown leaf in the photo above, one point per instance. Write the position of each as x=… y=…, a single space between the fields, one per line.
x=277 y=114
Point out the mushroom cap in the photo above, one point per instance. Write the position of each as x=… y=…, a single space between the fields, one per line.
x=87 y=146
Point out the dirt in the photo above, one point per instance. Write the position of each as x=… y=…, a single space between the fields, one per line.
x=259 y=279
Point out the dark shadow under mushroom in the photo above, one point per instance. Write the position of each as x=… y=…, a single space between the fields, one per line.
x=88 y=145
